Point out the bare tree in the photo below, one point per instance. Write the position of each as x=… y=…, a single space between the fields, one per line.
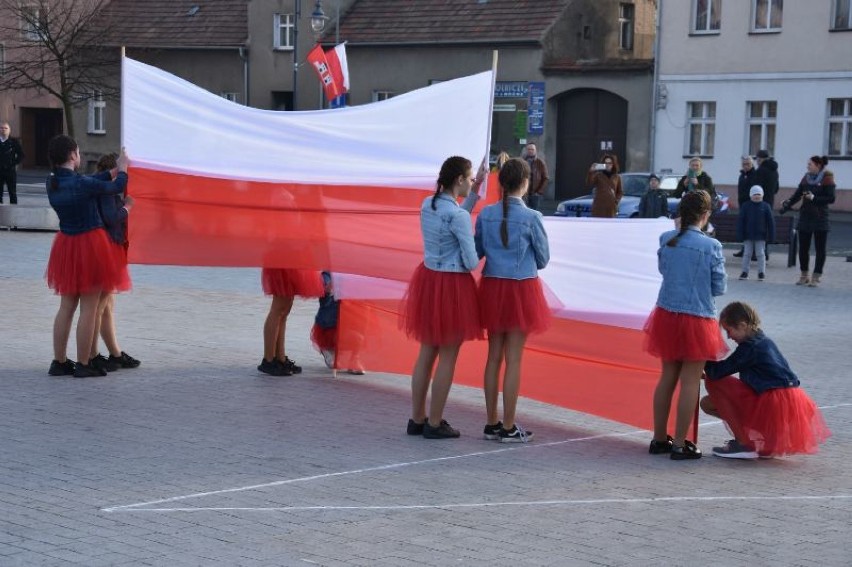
x=54 y=46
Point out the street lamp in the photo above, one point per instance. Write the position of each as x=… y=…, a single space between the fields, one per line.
x=319 y=20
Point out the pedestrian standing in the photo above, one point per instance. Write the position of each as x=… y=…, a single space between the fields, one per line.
x=11 y=155
x=767 y=176
x=512 y=306
x=755 y=227
x=682 y=330
x=816 y=191
x=607 y=190
x=440 y=308
x=538 y=176
x=747 y=180
x=654 y=203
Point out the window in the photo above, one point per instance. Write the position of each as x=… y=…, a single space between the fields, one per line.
x=97 y=110
x=767 y=15
x=233 y=97
x=283 y=32
x=32 y=21
x=702 y=128
x=708 y=16
x=840 y=127
x=625 y=26
x=382 y=95
x=841 y=16
x=761 y=126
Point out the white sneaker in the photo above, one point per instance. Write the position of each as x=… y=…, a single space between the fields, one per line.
x=733 y=450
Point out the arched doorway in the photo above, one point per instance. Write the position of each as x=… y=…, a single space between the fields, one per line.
x=589 y=121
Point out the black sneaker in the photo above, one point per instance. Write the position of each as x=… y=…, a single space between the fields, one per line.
x=273 y=368
x=87 y=371
x=515 y=435
x=733 y=449
x=492 y=432
x=688 y=451
x=739 y=254
x=414 y=428
x=661 y=447
x=124 y=360
x=291 y=366
x=443 y=431
x=101 y=362
x=744 y=276
x=61 y=368
x=761 y=277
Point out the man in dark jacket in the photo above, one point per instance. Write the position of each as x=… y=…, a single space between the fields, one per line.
x=538 y=177
x=767 y=178
x=748 y=178
x=11 y=154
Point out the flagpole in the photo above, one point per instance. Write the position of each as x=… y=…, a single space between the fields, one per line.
x=494 y=58
x=121 y=104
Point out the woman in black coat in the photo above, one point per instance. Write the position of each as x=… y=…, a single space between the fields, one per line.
x=817 y=192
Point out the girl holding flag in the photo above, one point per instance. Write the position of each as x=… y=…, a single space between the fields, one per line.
x=440 y=307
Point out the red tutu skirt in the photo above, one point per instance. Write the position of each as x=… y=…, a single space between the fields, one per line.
x=441 y=308
x=323 y=339
x=778 y=422
x=513 y=305
x=678 y=336
x=284 y=282
x=86 y=263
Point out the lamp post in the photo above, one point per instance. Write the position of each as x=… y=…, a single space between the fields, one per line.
x=318 y=21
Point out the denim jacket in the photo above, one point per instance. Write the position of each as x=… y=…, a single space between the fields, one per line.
x=693 y=273
x=759 y=363
x=75 y=198
x=528 y=250
x=448 y=234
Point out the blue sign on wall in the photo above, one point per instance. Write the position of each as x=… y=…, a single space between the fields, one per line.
x=535 y=108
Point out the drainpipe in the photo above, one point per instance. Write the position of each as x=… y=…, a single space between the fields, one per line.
x=652 y=154
x=244 y=56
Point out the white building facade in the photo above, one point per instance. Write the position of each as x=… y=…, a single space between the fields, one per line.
x=736 y=77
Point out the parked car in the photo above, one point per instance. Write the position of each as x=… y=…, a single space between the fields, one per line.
x=635 y=185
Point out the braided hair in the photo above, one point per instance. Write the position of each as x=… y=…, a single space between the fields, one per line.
x=738 y=312
x=692 y=206
x=59 y=151
x=512 y=176
x=452 y=168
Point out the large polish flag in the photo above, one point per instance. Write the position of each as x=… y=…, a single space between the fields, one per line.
x=219 y=184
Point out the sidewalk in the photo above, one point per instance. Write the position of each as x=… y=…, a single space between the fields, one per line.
x=196 y=459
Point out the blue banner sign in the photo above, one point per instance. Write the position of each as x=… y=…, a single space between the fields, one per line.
x=535 y=108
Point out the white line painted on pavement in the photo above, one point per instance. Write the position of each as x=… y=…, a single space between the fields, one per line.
x=371 y=469
x=131 y=507
x=660 y=499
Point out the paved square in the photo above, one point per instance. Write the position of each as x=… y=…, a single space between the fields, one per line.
x=197 y=459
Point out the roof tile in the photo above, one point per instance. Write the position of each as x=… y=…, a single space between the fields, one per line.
x=448 y=21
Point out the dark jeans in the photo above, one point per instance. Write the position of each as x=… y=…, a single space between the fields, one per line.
x=9 y=179
x=820 y=239
x=534 y=202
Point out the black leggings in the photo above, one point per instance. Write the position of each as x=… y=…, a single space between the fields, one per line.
x=820 y=238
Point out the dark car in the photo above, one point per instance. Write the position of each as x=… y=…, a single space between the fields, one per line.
x=635 y=185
